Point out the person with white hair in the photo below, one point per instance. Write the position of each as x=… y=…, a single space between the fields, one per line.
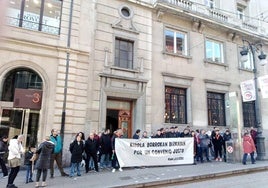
x=14 y=159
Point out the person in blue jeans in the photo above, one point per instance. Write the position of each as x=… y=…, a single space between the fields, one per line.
x=248 y=147
x=204 y=141
x=28 y=162
x=76 y=149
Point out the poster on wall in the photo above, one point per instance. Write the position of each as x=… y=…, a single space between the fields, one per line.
x=154 y=152
x=263 y=81
x=248 y=90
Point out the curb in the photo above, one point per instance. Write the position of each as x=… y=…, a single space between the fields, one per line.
x=177 y=181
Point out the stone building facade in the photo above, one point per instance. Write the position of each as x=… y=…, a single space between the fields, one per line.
x=134 y=64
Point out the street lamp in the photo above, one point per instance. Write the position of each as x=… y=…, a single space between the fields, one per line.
x=254 y=48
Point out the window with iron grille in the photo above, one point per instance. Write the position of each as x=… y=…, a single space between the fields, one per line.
x=124 y=53
x=175 y=105
x=249 y=115
x=216 y=109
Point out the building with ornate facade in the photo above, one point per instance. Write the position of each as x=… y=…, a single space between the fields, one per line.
x=85 y=65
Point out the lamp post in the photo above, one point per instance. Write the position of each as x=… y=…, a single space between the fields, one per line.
x=254 y=48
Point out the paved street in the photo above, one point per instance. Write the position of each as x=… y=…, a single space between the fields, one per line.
x=251 y=180
x=137 y=177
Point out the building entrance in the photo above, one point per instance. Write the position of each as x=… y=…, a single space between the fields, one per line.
x=118 y=115
x=15 y=121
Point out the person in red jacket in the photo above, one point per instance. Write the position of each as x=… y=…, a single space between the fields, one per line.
x=248 y=147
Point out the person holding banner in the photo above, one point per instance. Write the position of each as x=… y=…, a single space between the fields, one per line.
x=115 y=164
x=137 y=134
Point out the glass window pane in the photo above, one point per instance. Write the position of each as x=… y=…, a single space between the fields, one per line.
x=175 y=105
x=180 y=42
x=214 y=51
x=124 y=53
x=51 y=16
x=13 y=12
x=209 y=50
x=169 y=35
x=31 y=15
x=20 y=78
x=216 y=109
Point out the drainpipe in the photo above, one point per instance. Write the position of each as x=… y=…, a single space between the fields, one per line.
x=66 y=73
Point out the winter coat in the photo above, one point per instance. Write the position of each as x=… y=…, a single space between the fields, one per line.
x=105 y=144
x=227 y=137
x=15 y=149
x=44 y=152
x=27 y=158
x=3 y=148
x=204 y=140
x=217 y=140
x=113 y=141
x=76 y=149
x=172 y=135
x=91 y=146
x=135 y=136
x=57 y=142
x=248 y=144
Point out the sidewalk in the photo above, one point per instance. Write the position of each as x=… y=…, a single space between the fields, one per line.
x=138 y=177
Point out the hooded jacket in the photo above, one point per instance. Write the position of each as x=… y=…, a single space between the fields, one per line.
x=15 y=149
x=248 y=144
x=44 y=152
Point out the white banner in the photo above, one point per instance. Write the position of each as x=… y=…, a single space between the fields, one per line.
x=154 y=151
x=248 y=90
x=263 y=81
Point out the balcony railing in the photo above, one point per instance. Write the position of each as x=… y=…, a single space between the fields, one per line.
x=215 y=14
x=35 y=26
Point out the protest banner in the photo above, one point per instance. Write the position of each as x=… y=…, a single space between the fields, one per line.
x=154 y=152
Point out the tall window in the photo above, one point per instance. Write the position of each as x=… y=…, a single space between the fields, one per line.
x=240 y=12
x=249 y=65
x=214 y=51
x=210 y=3
x=175 y=105
x=124 y=53
x=176 y=42
x=38 y=15
x=20 y=78
x=216 y=109
x=249 y=115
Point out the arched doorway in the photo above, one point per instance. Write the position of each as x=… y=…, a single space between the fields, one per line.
x=20 y=104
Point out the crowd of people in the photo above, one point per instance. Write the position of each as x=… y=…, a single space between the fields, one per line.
x=98 y=151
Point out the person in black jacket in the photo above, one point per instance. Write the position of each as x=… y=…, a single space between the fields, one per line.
x=76 y=148
x=137 y=134
x=106 y=149
x=115 y=164
x=3 y=152
x=28 y=162
x=91 y=149
x=226 y=137
x=44 y=153
x=217 y=141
